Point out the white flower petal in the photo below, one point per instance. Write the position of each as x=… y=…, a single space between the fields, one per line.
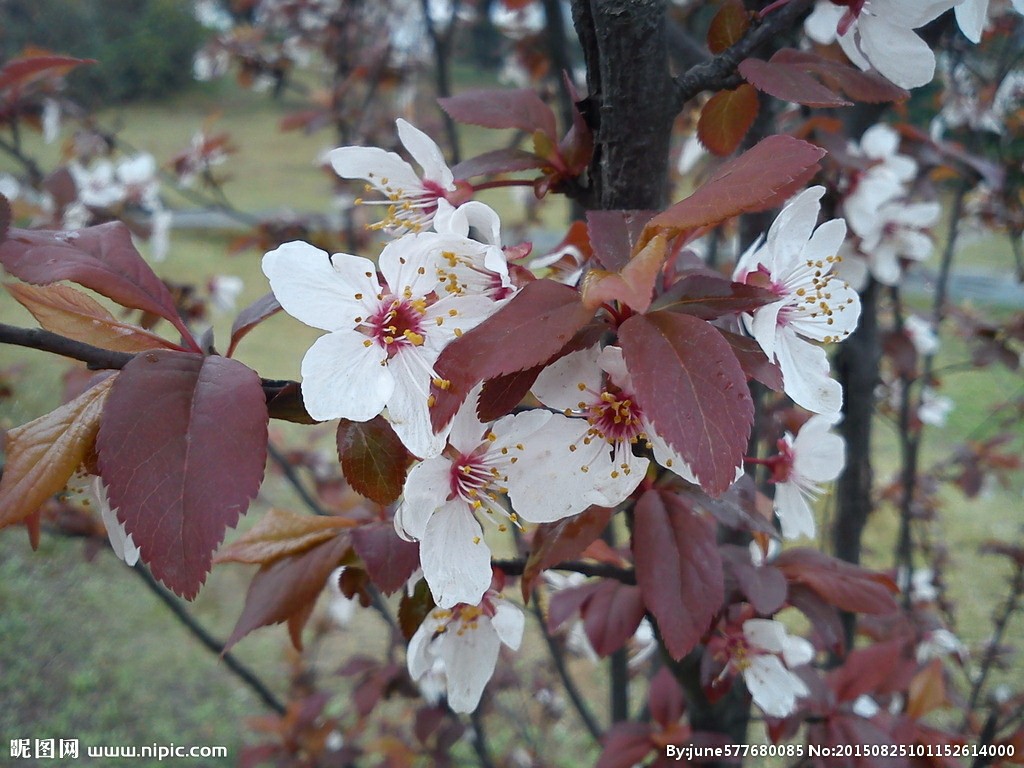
x=897 y=52
x=773 y=687
x=819 y=454
x=766 y=634
x=793 y=226
x=469 y=661
x=375 y=165
x=318 y=290
x=794 y=511
x=821 y=25
x=421 y=654
x=344 y=378
x=408 y=409
x=426 y=152
x=456 y=560
x=563 y=384
x=508 y=622
x=426 y=489
x=805 y=374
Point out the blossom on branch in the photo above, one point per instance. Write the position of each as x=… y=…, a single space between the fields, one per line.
x=384 y=337
x=796 y=262
x=466 y=639
x=411 y=199
x=522 y=457
x=880 y=34
x=814 y=456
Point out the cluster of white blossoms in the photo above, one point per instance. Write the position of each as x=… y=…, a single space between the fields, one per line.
x=442 y=274
x=889 y=228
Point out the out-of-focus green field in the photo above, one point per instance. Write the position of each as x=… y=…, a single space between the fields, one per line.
x=87 y=652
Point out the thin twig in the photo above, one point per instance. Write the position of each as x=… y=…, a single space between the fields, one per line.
x=240 y=670
x=625 y=575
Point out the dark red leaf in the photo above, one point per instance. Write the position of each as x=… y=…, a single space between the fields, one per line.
x=5 y=217
x=790 y=83
x=878 y=669
x=761 y=178
x=102 y=258
x=389 y=560
x=287 y=586
x=614 y=235
x=413 y=609
x=728 y=26
x=373 y=458
x=726 y=118
x=764 y=586
x=709 y=297
x=824 y=618
x=626 y=745
x=565 y=602
x=753 y=361
x=182 y=447
x=264 y=307
x=19 y=72
x=846 y=586
x=518 y=108
x=665 y=698
x=611 y=615
x=678 y=568
x=870 y=87
x=563 y=540
x=497 y=161
x=692 y=389
x=284 y=401
x=526 y=332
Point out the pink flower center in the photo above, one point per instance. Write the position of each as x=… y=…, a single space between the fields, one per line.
x=615 y=417
x=398 y=324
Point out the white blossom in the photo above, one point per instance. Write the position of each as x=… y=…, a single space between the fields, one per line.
x=814 y=456
x=765 y=654
x=796 y=262
x=466 y=640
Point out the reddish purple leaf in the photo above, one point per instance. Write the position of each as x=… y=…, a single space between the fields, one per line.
x=389 y=560
x=870 y=87
x=611 y=615
x=556 y=542
x=753 y=361
x=761 y=178
x=678 y=568
x=526 y=332
x=846 y=586
x=614 y=235
x=665 y=698
x=19 y=72
x=824 y=618
x=565 y=602
x=497 y=161
x=693 y=390
x=728 y=26
x=790 y=83
x=102 y=258
x=5 y=217
x=264 y=307
x=886 y=666
x=182 y=447
x=288 y=586
x=726 y=118
x=709 y=297
x=764 y=585
x=626 y=745
x=518 y=108
x=373 y=458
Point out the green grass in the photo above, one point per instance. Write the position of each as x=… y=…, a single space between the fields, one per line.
x=87 y=652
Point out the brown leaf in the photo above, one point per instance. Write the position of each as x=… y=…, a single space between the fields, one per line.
x=76 y=315
x=726 y=118
x=927 y=691
x=633 y=284
x=281 y=533
x=44 y=453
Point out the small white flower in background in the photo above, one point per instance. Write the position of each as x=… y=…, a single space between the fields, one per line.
x=51 y=120
x=520 y=22
x=383 y=339
x=897 y=232
x=921 y=584
x=880 y=34
x=691 y=153
x=411 y=199
x=594 y=385
x=120 y=540
x=160 y=233
x=341 y=609
x=796 y=262
x=466 y=639
x=521 y=456
x=934 y=408
x=138 y=176
x=938 y=643
x=98 y=186
x=10 y=187
x=866 y=707
x=881 y=143
x=922 y=335
x=765 y=654
x=224 y=291
x=814 y=456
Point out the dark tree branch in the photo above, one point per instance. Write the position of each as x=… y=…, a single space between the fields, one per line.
x=600 y=570
x=240 y=670
x=720 y=72
x=442 y=44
